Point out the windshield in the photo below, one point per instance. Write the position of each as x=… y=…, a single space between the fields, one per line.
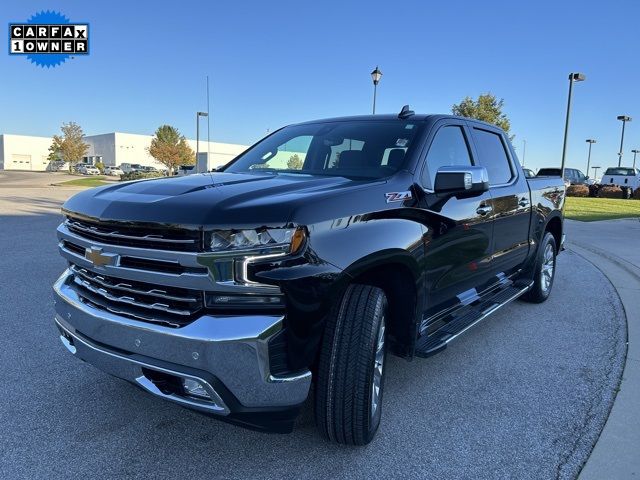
x=367 y=149
x=621 y=171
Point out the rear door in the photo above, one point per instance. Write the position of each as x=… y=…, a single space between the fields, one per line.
x=510 y=198
x=459 y=244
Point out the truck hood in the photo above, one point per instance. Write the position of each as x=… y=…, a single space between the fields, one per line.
x=211 y=199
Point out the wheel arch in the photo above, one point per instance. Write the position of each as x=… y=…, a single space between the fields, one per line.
x=554 y=226
x=399 y=275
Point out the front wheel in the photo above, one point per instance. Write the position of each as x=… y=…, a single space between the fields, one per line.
x=545 y=270
x=350 y=380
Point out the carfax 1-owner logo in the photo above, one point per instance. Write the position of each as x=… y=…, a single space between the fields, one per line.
x=49 y=39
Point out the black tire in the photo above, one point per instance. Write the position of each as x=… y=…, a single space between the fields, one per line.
x=542 y=286
x=344 y=389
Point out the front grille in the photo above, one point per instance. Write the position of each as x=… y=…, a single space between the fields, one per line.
x=140 y=237
x=77 y=249
x=140 y=300
x=156 y=265
x=148 y=264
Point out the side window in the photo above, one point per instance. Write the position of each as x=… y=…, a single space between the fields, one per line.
x=493 y=156
x=448 y=148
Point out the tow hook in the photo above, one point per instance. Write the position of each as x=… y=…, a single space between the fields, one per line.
x=67 y=341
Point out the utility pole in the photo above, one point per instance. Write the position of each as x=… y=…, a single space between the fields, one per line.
x=573 y=77
x=590 y=141
x=624 y=119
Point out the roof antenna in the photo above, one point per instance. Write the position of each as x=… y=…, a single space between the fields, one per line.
x=405 y=112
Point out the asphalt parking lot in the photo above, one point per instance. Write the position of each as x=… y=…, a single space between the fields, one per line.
x=522 y=395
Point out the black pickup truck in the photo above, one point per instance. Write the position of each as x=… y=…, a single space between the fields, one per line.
x=307 y=259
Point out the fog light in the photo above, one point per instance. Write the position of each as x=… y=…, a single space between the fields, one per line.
x=194 y=388
x=244 y=300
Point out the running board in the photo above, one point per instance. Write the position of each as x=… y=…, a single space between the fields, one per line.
x=466 y=317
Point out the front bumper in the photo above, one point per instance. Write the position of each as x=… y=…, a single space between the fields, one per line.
x=228 y=355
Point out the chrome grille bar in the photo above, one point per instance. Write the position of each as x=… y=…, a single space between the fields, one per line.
x=129 y=313
x=74 y=225
x=126 y=287
x=129 y=300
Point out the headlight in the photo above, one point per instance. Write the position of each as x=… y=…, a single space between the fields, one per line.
x=287 y=240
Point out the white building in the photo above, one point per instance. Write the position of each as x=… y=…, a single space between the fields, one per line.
x=21 y=152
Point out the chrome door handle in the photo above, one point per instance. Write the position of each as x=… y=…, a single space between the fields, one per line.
x=524 y=202
x=484 y=210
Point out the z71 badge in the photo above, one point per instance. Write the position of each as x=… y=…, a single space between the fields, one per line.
x=398 y=196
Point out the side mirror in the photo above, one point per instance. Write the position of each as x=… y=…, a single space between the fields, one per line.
x=466 y=180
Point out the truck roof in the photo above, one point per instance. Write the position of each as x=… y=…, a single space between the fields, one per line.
x=417 y=117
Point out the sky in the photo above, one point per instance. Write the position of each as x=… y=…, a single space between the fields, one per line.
x=272 y=63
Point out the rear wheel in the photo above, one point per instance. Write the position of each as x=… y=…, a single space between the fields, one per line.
x=545 y=270
x=350 y=380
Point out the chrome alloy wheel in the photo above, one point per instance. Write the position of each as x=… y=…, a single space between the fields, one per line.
x=547 y=268
x=378 y=365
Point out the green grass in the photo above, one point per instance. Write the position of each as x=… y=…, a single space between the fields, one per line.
x=593 y=209
x=84 y=182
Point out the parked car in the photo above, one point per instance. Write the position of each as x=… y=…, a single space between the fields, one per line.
x=59 y=166
x=571 y=175
x=622 y=176
x=528 y=173
x=89 y=170
x=397 y=235
x=130 y=167
x=112 y=170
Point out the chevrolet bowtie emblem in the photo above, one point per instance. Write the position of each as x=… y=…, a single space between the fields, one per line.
x=99 y=259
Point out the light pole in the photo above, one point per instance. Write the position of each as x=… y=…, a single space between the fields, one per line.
x=198 y=115
x=634 y=157
x=590 y=141
x=376 y=75
x=595 y=172
x=524 y=150
x=624 y=119
x=573 y=77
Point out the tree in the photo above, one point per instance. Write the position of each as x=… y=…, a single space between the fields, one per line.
x=170 y=148
x=294 y=162
x=486 y=108
x=69 y=146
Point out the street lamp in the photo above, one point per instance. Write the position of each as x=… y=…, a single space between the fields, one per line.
x=624 y=119
x=590 y=141
x=376 y=75
x=198 y=115
x=573 y=77
x=595 y=172
x=524 y=150
x=634 y=157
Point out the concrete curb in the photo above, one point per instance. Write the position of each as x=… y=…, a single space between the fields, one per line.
x=617 y=451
